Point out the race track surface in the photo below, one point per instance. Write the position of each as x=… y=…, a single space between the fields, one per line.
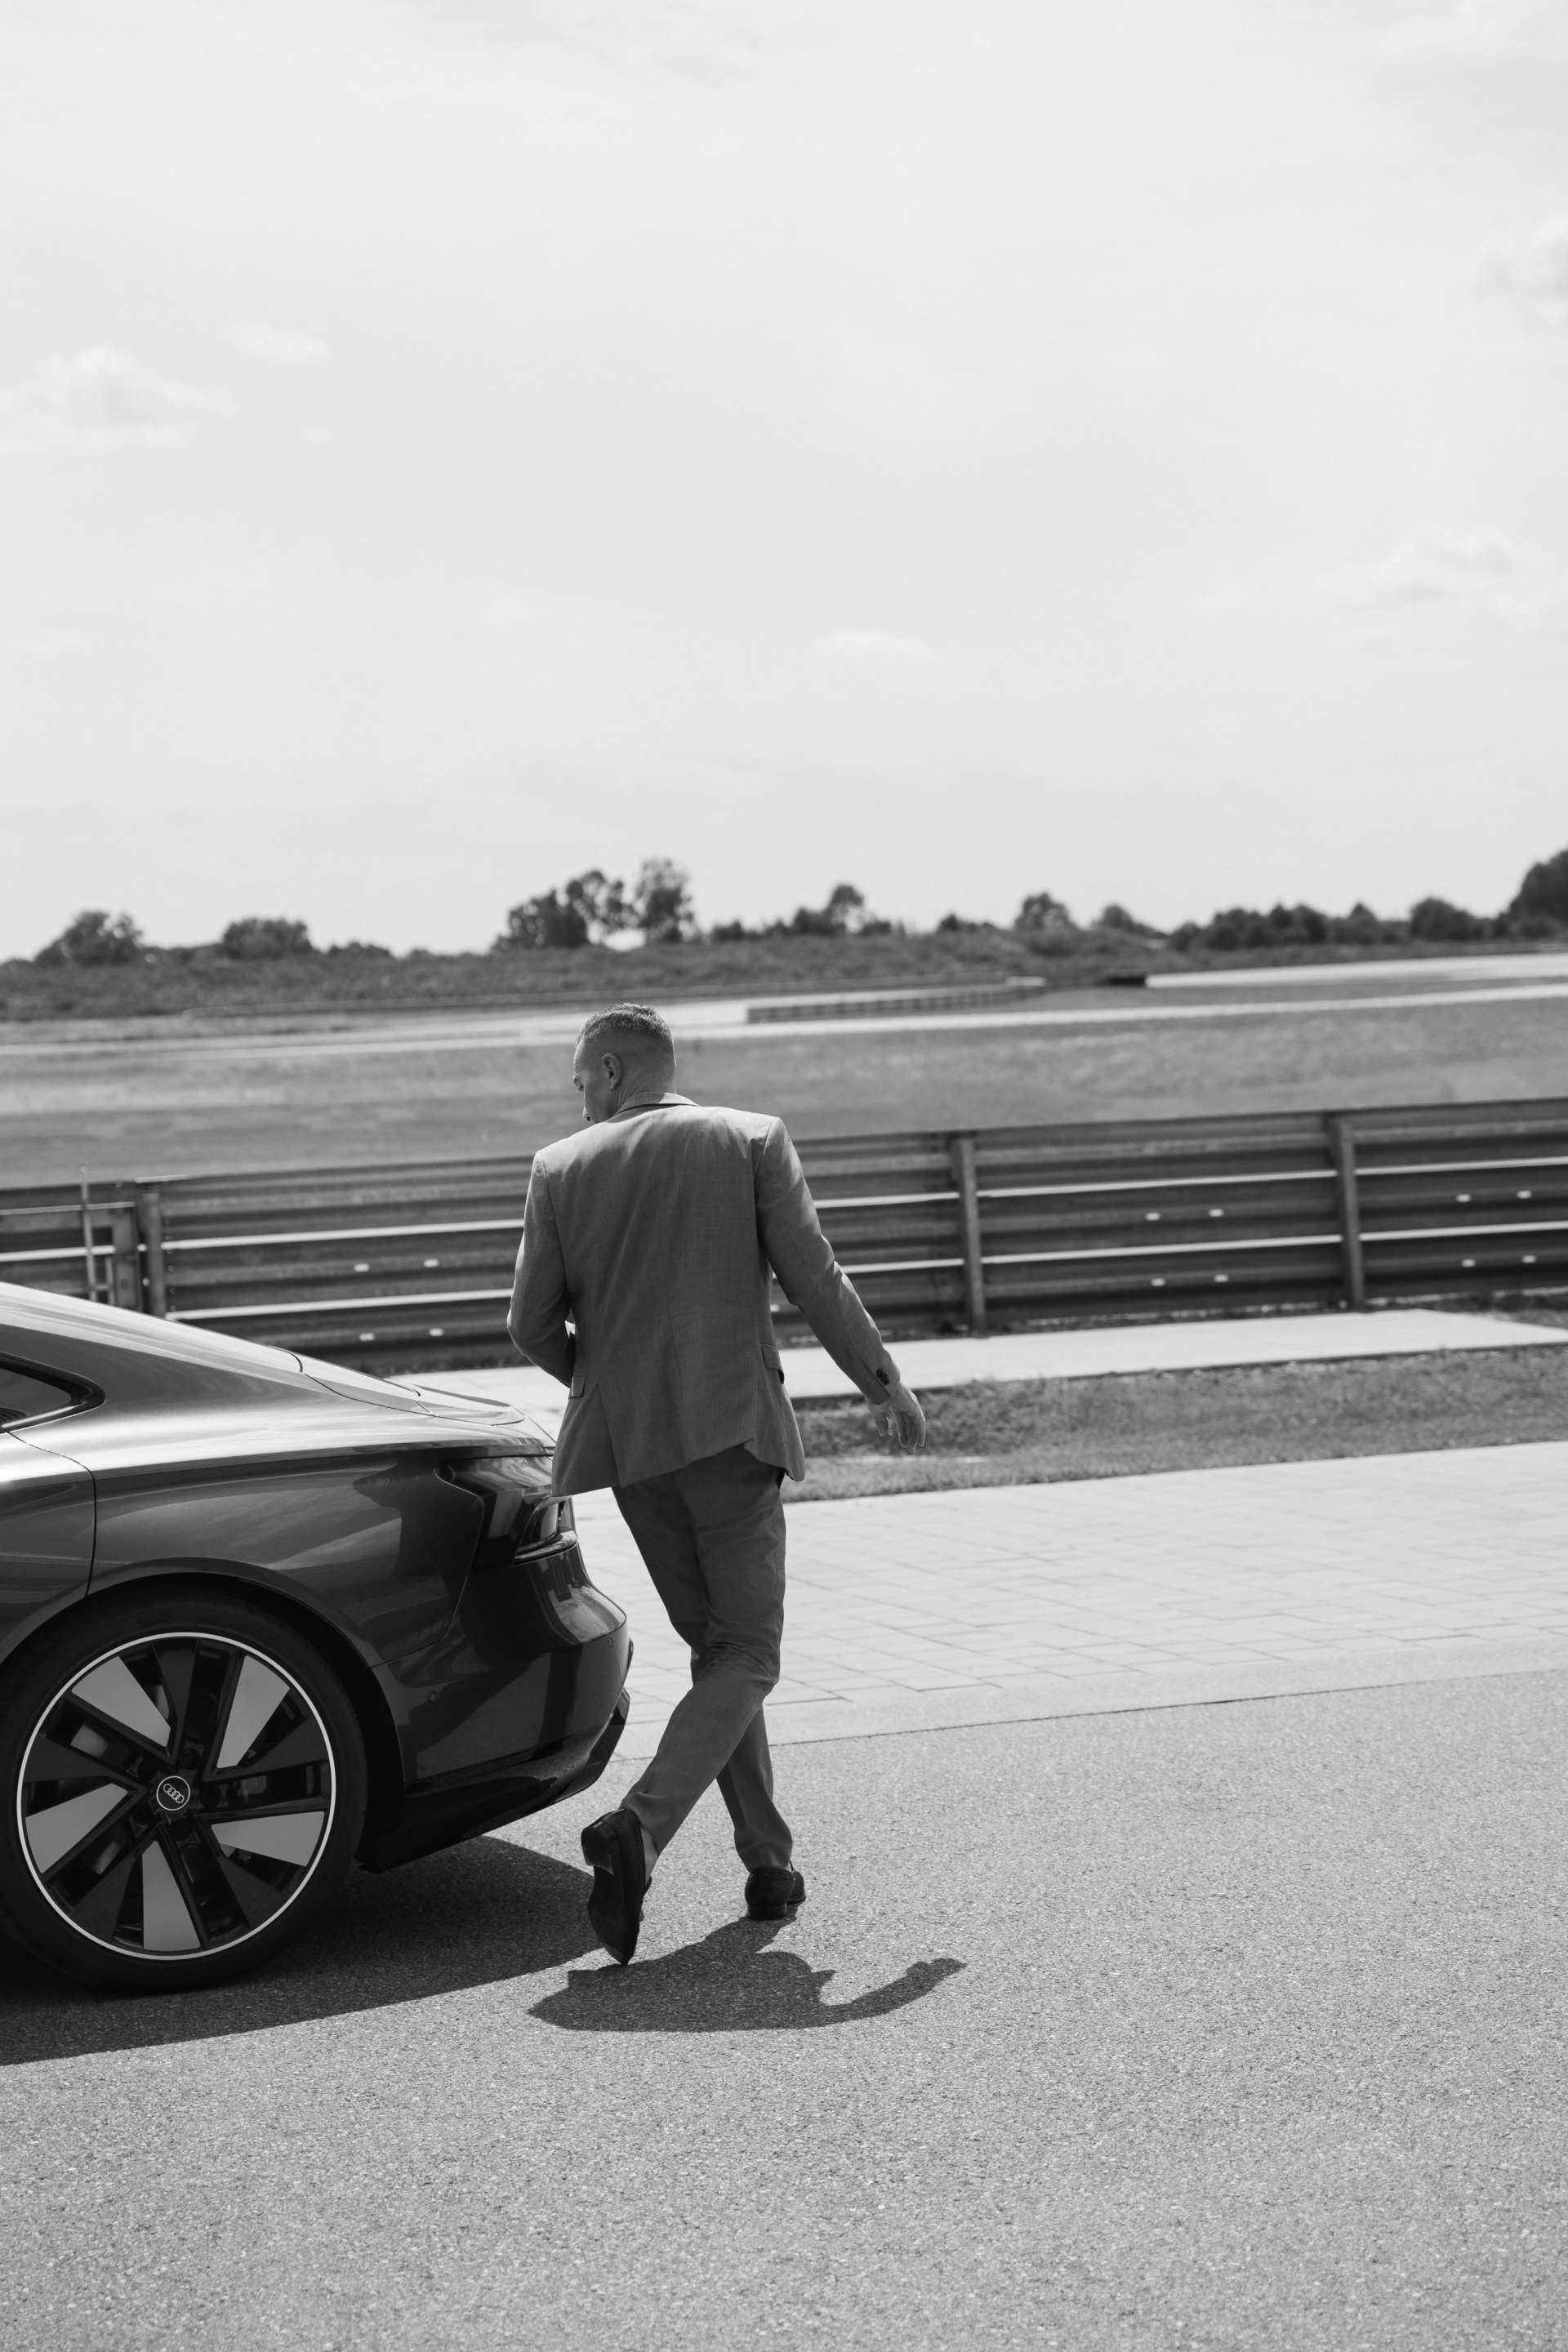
x=1222 y=2026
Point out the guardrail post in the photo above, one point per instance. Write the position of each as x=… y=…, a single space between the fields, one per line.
x=961 y=1153
x=125 y=1264
x=88 y=1241
x=154 y=1266
x=1341 y=1145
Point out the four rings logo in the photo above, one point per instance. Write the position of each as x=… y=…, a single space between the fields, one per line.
x=173 y=1794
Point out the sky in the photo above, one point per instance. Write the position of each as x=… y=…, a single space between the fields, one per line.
x=1112 y=448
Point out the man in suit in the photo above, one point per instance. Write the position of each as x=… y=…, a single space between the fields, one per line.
x=654 y=1231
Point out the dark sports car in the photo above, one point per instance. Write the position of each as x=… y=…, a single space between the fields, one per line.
x=259 y=1617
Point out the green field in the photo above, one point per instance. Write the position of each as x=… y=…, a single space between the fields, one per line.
x=1028 y=1432
x=168 y=986
x=171 y=984
x=159 y=1097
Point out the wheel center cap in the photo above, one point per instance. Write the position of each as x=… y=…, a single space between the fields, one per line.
x=174 y=1794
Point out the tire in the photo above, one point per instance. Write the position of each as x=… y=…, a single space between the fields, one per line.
x=182 y=1785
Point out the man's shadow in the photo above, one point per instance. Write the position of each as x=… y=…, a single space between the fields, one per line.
x=729 y=1983
x=487 y=1912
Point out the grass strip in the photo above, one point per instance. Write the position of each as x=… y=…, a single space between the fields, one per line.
x=1120 y=1425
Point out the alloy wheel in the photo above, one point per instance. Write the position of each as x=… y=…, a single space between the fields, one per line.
x=176 y=1796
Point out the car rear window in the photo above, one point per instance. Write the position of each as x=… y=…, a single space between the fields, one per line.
x=27 y=1395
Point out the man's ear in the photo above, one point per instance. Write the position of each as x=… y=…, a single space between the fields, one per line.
x=611 y=1065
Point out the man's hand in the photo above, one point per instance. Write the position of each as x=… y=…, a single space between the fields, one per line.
x=899 y=1416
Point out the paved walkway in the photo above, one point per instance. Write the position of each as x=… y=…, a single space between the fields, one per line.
x=1009 y=1604
x=813 y=1377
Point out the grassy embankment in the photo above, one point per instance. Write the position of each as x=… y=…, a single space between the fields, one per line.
x=1031 y=1432
x=348 y=984
x=213 y=986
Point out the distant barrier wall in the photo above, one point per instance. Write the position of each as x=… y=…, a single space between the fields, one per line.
x=866 y=1004
x=985 y=1230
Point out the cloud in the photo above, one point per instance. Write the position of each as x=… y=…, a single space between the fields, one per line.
x=851 y=645
x=52 y=645
x=101 y=399
x=507 y=612
x=1481 y=573
x=276 y=344
x=1484 y=32
x=713 y=41
x=1480 y=570
x=898 y=388
x=1233 y=595
x=1532 y=267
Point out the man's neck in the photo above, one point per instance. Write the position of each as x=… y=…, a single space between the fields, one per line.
x=639 y=1097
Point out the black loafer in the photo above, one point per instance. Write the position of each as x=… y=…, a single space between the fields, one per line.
x=613 y=1846
x=775 y=1894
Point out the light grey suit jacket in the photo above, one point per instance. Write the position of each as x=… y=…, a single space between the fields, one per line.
x=654 y=1231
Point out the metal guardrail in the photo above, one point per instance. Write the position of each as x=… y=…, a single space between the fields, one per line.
x=976 y=1231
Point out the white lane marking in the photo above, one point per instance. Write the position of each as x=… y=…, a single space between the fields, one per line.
x=256 y=1696
x=55 y=1829
x=113 y=1690
x=1097 y=1015
x=1307 y=975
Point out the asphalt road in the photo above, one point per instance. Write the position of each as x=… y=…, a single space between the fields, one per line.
x=1222 y=2026
x=156 y=1098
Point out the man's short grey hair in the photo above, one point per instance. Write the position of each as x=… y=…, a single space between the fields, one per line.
x=640 y=1022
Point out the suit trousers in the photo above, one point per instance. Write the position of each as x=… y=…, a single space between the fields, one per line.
x=713 y=1538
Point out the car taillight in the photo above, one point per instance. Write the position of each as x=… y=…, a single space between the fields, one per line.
x=522 y=1515
x=546 y=1523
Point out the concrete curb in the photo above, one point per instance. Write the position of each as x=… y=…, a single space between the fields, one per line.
x=1041 y=1698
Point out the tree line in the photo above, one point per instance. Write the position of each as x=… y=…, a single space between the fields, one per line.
x=593 y=908
x=96 y=937
x=1537 y=910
